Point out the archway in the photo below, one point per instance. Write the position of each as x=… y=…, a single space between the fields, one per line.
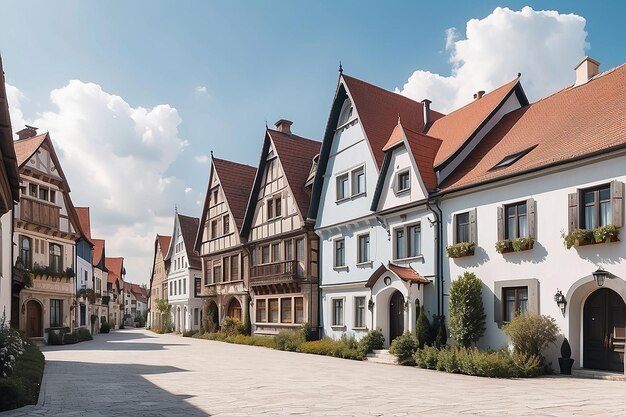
x=603 y=317
x=34 y=319
x=396 y=315
x=234 y=309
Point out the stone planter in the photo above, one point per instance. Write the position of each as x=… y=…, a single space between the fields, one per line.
x=566 y=365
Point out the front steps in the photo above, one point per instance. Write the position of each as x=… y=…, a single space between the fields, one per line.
x=595 y=374
x=382 y=356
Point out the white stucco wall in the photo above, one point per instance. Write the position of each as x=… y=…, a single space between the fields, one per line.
x=6 y=263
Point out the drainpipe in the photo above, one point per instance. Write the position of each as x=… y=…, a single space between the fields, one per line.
x=439 y=253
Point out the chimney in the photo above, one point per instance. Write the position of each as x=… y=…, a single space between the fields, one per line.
x=27 y=132
x=478 y=95
x=284 y=125
x=585 y=70
x=426 y=104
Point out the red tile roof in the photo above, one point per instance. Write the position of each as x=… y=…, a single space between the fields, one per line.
x=379 y=109
x=115 y=266
x=84 y=220
x=98 y=251
x=571 y=123
x=455 y=128
x=405 y=273
x=296 y=156
x=164 y=243
x=236 y=181
x=424 y=149
x=189 y=230
x=25 y=148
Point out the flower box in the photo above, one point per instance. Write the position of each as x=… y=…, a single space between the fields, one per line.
x=460 y=250
x=518 y=244
x=583 y=237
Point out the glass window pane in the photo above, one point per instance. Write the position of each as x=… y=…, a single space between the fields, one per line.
x=399 y=244
x=521 y=209
x=260 y=311
x=523 y=226
x=414 y=240
x=273 y=310
x=510 y=228
x=299 y=307
x=359 y=312
x=300 y=249
x=289 y=250
x=285 y=310
x=590 y=217
x=605 y=194
x=605 y=213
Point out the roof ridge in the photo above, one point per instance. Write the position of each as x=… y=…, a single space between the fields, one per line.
x=385 y=90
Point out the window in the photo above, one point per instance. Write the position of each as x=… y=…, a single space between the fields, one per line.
x=275 y=252
x=226 y=268
x=511 y=159
x=342 y=187
x=300 y=249
x=462 y=227
x=364 y=249
x=359 y=312
x=516 y=220
x=56 y=258
x=217 y=274
x=596 y=207
x=33 y=190
x=195 y=316
x=337 y=304
x=278 y=207
x=273 y=310
x=25 y=251
x=289 y=250
x=226 y=224
x=215 y=195
x=43 y=193
x=213 y=229
x=399 y=244
x=184 y=285
x=56 y=313
x=261 y=313
x=180 y=286
x=299 y=309
x=285 y=310
x=274 y=208
x=234 y=267
x=407 y=241
x=515 y=301
x=346 y=113
x=265 y=254
x=404 y=181
x=358 y=181
x=171 y=289
x=53 y=196
x=270 y=209
x=414 y=234
x=340 y=253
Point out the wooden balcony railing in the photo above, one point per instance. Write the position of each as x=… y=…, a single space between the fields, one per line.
x=39 y=212
x=276 y=272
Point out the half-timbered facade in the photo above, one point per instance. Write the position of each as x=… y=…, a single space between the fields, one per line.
x=158 y=281
x=115 y=289
x=283 y=246
x=225 y=263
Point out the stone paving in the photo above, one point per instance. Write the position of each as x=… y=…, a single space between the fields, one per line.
x=137 y=373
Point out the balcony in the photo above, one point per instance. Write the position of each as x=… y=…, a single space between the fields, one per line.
x=276 y=273
x=39 y=212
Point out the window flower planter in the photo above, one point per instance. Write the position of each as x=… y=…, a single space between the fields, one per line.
x=460 y=250
x=515 y=245
x=583 y=237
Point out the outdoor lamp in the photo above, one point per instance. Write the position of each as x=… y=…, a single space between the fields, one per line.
x=370 y=304
x=559 y=299
x=599 y=276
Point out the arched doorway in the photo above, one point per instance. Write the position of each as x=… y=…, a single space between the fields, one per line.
x=396 y=315
x=34 y=327
x=234 y=309
x=604 y=314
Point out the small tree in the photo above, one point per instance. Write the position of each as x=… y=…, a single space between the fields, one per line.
x=440 y=333
x=531 y=333
x=467 y=313
x=422 y=329
x=164 y=310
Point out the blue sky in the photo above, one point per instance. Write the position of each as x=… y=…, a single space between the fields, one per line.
x=258 y=61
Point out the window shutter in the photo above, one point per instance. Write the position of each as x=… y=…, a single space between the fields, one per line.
x=473 y=230
x=617 y=203
x=530 y=210
x=500 y=223
x=454 y=227
x=572 y=213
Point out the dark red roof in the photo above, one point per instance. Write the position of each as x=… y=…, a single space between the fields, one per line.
x=236 y=181
x=189 y=230
x=115 y=267
x=164 y=243
x=405 y=273
x=98 y=251
x=571 y=123
x=296 y=156
x=424 y=149
x=84 y=221
x=379 y=109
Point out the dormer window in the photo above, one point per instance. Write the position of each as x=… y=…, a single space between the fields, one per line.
x=404 y=181
x=346 y=113
x=511 y=159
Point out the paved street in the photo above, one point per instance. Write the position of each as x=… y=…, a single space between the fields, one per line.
x=137 y=373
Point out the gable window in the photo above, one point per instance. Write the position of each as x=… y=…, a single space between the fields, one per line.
x=364 y=249
x=337 y=312
x=404 y=181
x=270 y=209
x=462 y=227
x=515 y=301
x=359 y=312
x=56 y=257
x=342 y=187
x=407 y=241
x=43 y=193
x=53 y=196
x=215 y=195
x=213 y=229
x=346 y=113
x=274 y=208
x=516 y=220
x=340 y=253
x=226 y=224
x=358 y=181
x=25 y=251
x=596 y=207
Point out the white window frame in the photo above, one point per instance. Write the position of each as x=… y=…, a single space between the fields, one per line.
x=406 y=172
x=333 y=323
x=335 y=265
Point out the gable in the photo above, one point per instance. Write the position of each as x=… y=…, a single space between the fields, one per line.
x=392 y=194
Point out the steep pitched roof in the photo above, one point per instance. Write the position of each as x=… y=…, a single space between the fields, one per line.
x=405 y=273
x=98 y=251
x=116 y=268
x=164 y=243
x=189 y=229
x=296 y=156
x=84 y=223
x=7 y=149
x=25 y=148
x=236 y=181
x=455 y=128
x=379 y=109
x=573 y=123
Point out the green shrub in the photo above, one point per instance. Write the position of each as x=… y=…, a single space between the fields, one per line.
x=427 y=357
x=22 y=386
x=232 y=326
x=566 y=350
x=527 y=365
x=440 y=338
x=422 y=329
x=55 y=338
x=404 y=347
x=331 y=347
x=467 y=314
x=189 y=333
x=374 y=339
x=307 y=331
x=12 y=345
x=70 y=338
x=241 y=339
x=83 y=334
x=105 y=327
x=289 y=340
x=447 y=360
x=531 y=333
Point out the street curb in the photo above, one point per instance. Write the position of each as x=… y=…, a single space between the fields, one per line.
x=41 y=400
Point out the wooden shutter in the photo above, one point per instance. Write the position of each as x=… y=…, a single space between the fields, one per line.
x=572 y=212
x=455 y=222
x=473 y=230
x=617 y=203
x=530 y=212
x=501 y=226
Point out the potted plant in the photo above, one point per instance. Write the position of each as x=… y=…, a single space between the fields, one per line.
x=461 y=249
x=565 y=361
x=608 y=233
x=522 y=243
x=578 y=237
x=503 y=246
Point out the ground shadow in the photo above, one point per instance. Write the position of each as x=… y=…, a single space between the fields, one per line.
x=119 y=340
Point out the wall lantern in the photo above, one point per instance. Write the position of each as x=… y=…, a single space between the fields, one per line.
x=600 y=276
x=559 y=299
x=370 y=304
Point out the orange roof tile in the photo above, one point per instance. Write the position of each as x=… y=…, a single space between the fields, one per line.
x=571 y=123
x=84 y=220
x=25 y=148
x=115 y=267
x=424 y=149
x=98 y=251
x=455 y=128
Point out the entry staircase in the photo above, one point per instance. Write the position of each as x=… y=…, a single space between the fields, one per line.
x=382 y=356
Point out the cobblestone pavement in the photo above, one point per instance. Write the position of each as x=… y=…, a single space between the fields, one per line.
x=137 y=373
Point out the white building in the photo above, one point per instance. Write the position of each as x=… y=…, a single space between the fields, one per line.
x=85 y=291
x=184 y=269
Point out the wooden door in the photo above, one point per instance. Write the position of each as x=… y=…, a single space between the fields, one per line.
x=234 y=309
x=33 y=319
x=396 y=315
x=603 y=313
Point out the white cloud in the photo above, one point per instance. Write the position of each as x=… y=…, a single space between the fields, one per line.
x=15 y=98
x=188 y=189
x=202 y=159
x=200 y=89
x=543 y=45
x=115 y=157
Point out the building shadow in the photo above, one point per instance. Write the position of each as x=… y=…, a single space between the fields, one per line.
x=119 y=340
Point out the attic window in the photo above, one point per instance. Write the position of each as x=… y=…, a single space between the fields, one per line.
x=346 y=113
x=511 y=159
